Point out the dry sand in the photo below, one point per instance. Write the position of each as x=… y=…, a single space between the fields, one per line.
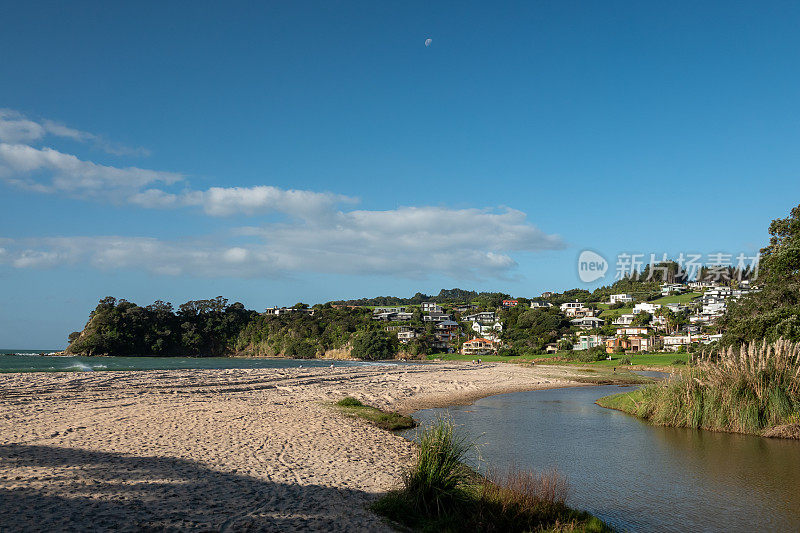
x=218 y=450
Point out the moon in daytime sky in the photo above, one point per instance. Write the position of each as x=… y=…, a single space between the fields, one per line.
x=428 y=41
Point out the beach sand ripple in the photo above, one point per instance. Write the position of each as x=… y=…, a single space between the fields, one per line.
x=218 y=450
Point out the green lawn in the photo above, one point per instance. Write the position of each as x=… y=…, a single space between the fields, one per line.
x=611 y=314
x=647 y=359
x=677 y=298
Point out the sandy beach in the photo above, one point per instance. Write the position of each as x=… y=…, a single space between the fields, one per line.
x=221 y=450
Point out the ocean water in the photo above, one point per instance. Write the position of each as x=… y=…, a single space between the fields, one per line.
x=30 y=361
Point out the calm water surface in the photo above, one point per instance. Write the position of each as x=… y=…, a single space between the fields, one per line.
x=37 y=363
x=635 y=476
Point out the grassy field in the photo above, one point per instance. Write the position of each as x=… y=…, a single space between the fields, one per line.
x=646 y=359
x=677 y=298
x=611 y=314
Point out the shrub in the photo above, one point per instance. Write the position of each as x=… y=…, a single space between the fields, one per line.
x=349 y=401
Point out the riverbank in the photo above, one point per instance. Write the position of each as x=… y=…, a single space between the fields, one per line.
x=638 y=404
x=220 y=449
x=753 y=389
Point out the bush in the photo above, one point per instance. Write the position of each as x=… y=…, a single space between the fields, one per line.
x=625 y=361
x=349 y=401
x=678 y=362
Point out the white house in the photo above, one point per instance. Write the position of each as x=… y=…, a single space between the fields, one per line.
x=620 y=298
x=672 y=288
x=379 y=310
x=486 y=329
x=624 y=320
x=430 y=307
x=570 y=305
x=646 y=307
x=406 y=336
x=587 y=322
x=541 y=305
x=486 y=317
x=436 y=317
x=674 y=342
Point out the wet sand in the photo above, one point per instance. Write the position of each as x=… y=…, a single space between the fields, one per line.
x=222 y=450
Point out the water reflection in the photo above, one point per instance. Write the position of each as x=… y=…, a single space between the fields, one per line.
x=636 y=476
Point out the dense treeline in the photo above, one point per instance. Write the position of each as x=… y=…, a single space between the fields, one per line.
x=302 y=336
x=208 y=328
x=445 y=296
x=774 y=312
x=528 y=331
x=201 y=327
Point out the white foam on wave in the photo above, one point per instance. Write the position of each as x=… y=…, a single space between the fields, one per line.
x=80 y=367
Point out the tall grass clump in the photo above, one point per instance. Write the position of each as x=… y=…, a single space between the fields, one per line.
x=440 y=493
x=438 y=480
x=754 y=388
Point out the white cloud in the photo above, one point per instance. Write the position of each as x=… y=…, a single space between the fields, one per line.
x=50 y=171
x=16 y=128
x=315 y=234
x=406 y=242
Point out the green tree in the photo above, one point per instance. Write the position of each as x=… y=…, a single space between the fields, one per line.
x=373 y=345
x=774 y=311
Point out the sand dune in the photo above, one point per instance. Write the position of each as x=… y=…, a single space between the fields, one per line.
x=222 y=450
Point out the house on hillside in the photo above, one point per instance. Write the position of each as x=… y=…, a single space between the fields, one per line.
x=406 y=336
x=277 y=311
x=379 y=310
x=485 y=317
x=570 y=305
x=624 y=320
x=446 y=331
x=547 y=294
x=672 y=288
x=620 y=299
x=633 y=344
x=479 y=346
x=485 y=329
x=674 y=342
x=507 y=304
x=540 y=305
x=701 y=285
x=587 y=322
x=430 y=307
x=633 y=330
x=586 y=342
x=646 y=307
x=436 y=317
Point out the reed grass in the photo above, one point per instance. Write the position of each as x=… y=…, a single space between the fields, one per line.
x=753 y=388
x=440 y=493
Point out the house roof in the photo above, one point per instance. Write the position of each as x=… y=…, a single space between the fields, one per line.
x=480 y=339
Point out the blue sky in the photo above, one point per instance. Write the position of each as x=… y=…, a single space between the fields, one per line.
x=315 y=151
